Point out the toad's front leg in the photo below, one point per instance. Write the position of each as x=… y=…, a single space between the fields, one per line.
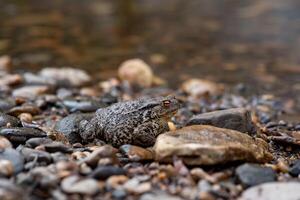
x=145 y=134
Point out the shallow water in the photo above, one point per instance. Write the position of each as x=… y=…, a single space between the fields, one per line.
x=256 y=42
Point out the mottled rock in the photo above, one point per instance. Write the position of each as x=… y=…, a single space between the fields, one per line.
x=236 y=119
x=251 y=174
x=208 y=145
x=136 y=72
x=16 y=159
x=8 y=120
x=135 y=153
x=66 y=76
x=199 y=87
x=295 y=169
x=69 y=126
x=272 y=191
x=21 y=134
x=31 y=91
x=103 y=172
x=75 y=184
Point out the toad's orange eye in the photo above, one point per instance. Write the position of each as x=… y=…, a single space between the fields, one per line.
x=166 y=103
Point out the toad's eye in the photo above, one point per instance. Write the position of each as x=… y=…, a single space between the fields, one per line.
x=166 y=103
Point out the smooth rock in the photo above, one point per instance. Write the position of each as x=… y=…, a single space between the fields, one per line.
x=34 y=142
x=6 y=168
x=75 y=184
x=106 y=151
x=21 y=134
x=6 y=104
x=4 y=143
x=16 y=159
x=10 y=191
x=136 y=72
x=200 y=87
x=251 y=174
x=9 y=120
x=208 y=145
x=295 y=169
x=33 y=79
x=32 y=154
x=5 y=63
x=272 y=191
x=11 y=80
x=31 y=91
x=238 y=119
x=69 y=126
x=103 y=172
x=136 y=187
x=83 y=105
x=155 y=195
x=32 y=109
x=57 y=147
x=135 y=153
x=66 y=76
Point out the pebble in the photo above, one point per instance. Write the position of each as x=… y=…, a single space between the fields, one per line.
x=14 y=157
x=69 y=126
x=272 y=191
x=5 y=63
x=136 y=187
x=295 y=168
x=105 y=151
x=136 y=72
x=32 y=154
x=66 y=76
x=103 y=172
x=6 y=104
x=20 y=135
x=208 y=145
x=200 y=87
x=115 y=181
x=31 y=91
x=82 y=105
x=155 y=195
x=236 y=119
x=6 y=168
x=4 y=143
x=251 y=174
x=8 y=120
x=34 y=142
x=75 y=184
x=11 y=80
x=135 y=153
x=57 y=147
x=25 y=117
x=32 y=109
x=10 y=191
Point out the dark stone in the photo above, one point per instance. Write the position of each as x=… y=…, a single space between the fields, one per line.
x=251 y=174
x=9 y=191
x=34 y=142
x=83 y=105
x=32 y=154
x=32 y=109
x=20 y=135
x=57 y=147
x=295 y=169
x=69 y=126
x=119 y=194
x=103 y=172
x=7 y=119
x=236 y=119
x=14 y=157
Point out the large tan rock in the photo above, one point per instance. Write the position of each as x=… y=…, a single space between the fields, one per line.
x=199 y=87
x=208 y=145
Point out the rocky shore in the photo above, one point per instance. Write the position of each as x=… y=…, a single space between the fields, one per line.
x=221 y=144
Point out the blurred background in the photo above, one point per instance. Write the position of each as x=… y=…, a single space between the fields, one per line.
x=253 y=42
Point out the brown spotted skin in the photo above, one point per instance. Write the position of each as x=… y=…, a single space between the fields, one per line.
x=136 y=122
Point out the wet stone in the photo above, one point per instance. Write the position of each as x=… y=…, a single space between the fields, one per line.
x=135 y=153
x=295 y=169
x=6 y=120
x=271 y=191
x=69 y=126
x=57 y=147
x=250 y=174
x=83 y=105
x=16 y=159
x=236 y=119
x=208 y=145
x=20 y=135
x=103 y=172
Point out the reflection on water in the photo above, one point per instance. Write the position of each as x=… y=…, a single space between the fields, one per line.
x=252 y=41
